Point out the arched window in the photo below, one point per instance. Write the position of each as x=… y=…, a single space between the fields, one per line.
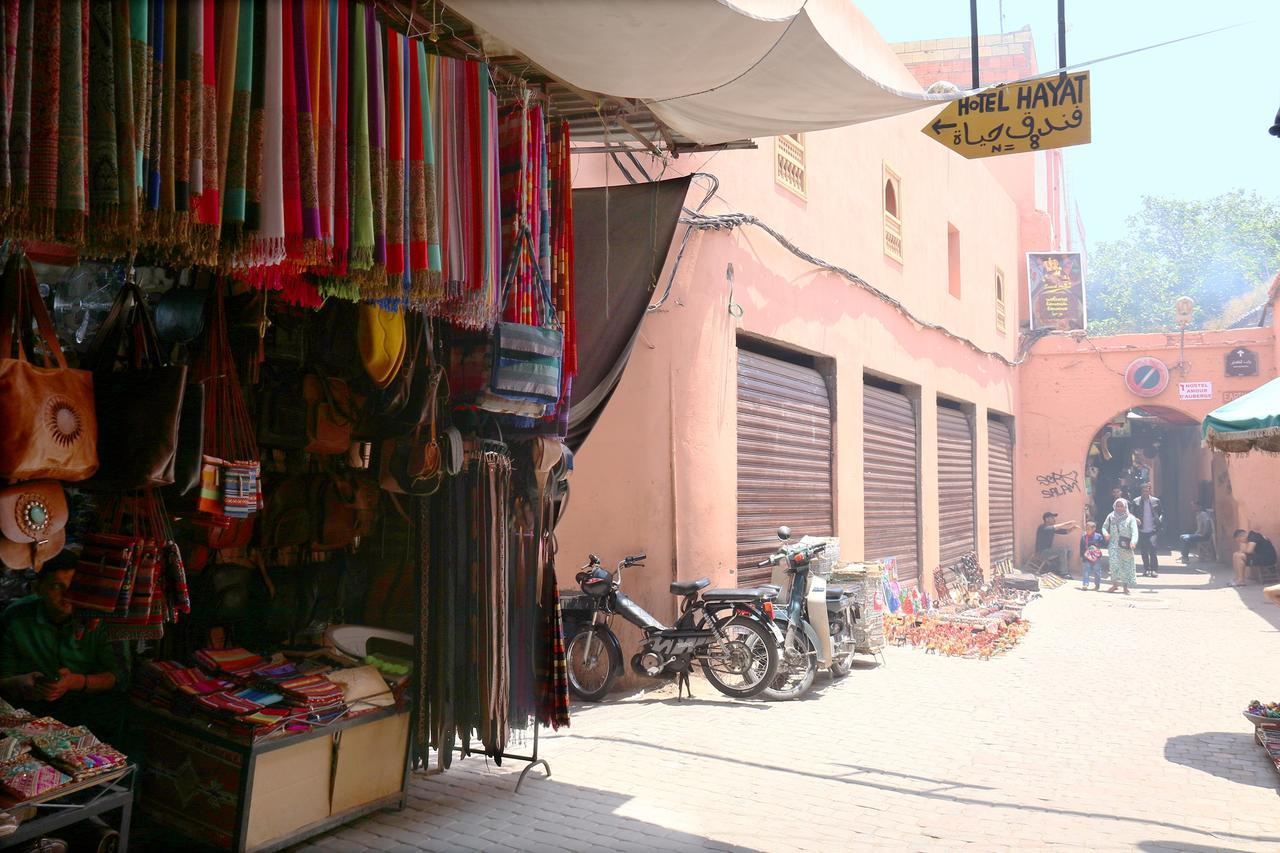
x=892 y=214
x=1000 y=307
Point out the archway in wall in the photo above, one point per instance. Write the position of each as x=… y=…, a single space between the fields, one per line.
x=1150 y=444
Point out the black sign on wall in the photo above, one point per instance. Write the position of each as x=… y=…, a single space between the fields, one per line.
x=1241 y=362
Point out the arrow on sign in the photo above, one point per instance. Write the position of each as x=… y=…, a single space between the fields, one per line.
x=1034 y=115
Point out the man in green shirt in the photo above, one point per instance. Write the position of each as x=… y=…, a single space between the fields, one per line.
x=50 y=664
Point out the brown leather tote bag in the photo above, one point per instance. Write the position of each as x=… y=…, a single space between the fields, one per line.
x=47 y=425
x=139 y=397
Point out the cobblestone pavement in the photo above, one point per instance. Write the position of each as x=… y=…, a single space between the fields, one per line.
x=1114 y=725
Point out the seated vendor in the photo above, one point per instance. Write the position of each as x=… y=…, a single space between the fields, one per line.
x=51 y=664
x=1253 y=551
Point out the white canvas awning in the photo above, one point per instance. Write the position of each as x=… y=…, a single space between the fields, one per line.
x=714 y=71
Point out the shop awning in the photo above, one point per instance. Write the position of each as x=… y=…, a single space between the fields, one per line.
x=710 y=71
x=621 y=239
x=1251 y=422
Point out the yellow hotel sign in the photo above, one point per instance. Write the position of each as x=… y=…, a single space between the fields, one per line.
x=1048 y=112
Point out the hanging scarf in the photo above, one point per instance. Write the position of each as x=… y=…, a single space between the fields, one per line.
x=210 y=204
x=292 y=171
x=308 y=248
x=340 y=14
x=155 y=132
x=425 y=275
x=162 y=225
x=123 y=231
x=20 y=124
x=395 y=162
x=321 y=37
x=182 y=110
x=195 y=107
x=45 y=94
x=562 y=285
x=9 y=12
x=257 y=121
x=375 y=285
x=235 y=195
x=104 y=166
x=227 y=34
x=360 y=256
x=73 y=167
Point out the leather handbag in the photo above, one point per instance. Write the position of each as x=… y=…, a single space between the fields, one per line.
x=287 y=518
x=334 y=514
x=333 y=348
x=180 y=314
x=283 y=415
x=330 y=415
x=138 y=442
x=48 y=429
x=33 y=520
x=381 y=338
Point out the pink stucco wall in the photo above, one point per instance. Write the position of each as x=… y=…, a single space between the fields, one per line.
x=1072 y=385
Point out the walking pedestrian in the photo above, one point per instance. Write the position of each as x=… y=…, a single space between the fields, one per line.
x=1091 y=544
x=1121 y=533
x=1150 y=515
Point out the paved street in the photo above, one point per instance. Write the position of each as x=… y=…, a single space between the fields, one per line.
x=1114 y=725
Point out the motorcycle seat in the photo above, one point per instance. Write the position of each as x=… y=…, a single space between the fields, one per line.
x=689 y=587
x=834 y=593
x=758 y=594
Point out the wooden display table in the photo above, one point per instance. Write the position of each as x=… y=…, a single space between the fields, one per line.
x=236 y=794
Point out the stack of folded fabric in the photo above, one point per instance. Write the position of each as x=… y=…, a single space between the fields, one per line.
x=29 y=777
x=78 y=752
x=25 y=728
x=261 y=722
x=237 y=664
x=227 y=705
x=160 y=683
x=313 y=696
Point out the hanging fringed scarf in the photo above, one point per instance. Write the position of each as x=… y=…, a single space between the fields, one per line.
x=340 y=15
x=424 y=237
x=360 y=256
x=122 y=231
x=104 y=173
x=9 y=12
x=155 y=101
x=45 y=92
x=195 y=122
x=560 y=157
x=257 y=123
x=73 y=167
x=292 y=169
x=308 y=249
x=182 y=113
x=209 y=207
x=320 y=36
x=395 y=164
x=165 y=225
x=17 y=190
x=235 y=194
x=374 y=286
x=141 y=59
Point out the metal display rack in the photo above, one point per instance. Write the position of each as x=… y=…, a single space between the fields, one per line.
x=71 y=804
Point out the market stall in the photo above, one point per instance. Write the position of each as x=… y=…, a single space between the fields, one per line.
x=287 y=341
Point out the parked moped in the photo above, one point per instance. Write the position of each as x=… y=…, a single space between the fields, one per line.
x=817 y=621
x=730 y=632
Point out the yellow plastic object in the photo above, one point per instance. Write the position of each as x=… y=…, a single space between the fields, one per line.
x=380 y=335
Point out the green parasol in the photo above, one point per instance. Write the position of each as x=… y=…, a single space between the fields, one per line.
x=1251 y=422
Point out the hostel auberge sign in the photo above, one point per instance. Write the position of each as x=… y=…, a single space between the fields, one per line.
x=1035 y=115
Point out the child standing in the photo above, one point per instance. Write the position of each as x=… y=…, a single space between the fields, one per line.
x=1091 y=543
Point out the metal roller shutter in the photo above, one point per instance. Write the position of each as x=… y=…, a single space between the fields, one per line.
x=784 y=458
x=957 y=502
x=1000 y=488
x=891 y=466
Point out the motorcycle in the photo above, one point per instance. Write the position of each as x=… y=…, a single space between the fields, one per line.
x=730 y=632
x=817 y=621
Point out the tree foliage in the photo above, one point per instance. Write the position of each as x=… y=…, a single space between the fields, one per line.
x=1218 y=251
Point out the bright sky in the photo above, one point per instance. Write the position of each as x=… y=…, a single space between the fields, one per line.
x=1187 y=120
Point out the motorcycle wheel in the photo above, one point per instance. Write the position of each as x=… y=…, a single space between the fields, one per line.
x=841 y=664
x=591 y=676
x=797 y=668
x=744 y=665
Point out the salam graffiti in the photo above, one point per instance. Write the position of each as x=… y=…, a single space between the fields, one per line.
x=1058 y=483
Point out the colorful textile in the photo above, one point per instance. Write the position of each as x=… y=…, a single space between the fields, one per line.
x=28 y=777
x=235 y=661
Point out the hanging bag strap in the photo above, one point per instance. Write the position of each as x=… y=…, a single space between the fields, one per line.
x=19 y=300
x=524 y=248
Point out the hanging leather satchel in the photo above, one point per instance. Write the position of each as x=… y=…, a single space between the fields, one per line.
x=189 y=455
x=33 y=520
x=287 y=519
x=330 y=415
x=48 y=429
x=137 y=443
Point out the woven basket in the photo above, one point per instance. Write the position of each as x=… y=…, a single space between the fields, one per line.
x=861 y=582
